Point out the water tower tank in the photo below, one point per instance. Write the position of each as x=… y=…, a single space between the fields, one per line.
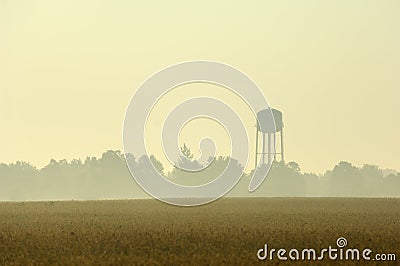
x=265 y=122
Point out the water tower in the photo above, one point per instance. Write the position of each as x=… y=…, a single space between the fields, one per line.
x=265 y=127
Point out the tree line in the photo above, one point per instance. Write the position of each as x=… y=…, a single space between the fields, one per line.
x=108 y=178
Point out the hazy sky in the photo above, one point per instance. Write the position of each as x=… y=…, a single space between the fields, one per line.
x=69 y=68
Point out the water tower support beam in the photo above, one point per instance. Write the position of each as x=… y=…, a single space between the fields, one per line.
x=282 y=156
x=274 y=145
x=255 y=167
x=263 y=148
x=269 y=148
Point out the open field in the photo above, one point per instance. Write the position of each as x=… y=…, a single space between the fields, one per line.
x=229 y=231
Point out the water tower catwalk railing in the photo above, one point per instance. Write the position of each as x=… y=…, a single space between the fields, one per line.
x=266 y=128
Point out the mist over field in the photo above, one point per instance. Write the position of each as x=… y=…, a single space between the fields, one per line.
x=108 y=178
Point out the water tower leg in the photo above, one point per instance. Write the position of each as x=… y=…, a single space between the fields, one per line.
x=263 y=148
x=274 y=146
x=282 y=156
x=269 y=148
x=255 y=167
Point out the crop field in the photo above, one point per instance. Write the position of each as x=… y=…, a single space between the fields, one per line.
x=229 y=231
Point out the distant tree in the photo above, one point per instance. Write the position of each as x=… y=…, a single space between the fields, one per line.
x=294 y=166
x=201 y=174
x=392 y=185
x=186 y=152
x=373 y=180
x=186 y=160
x=157 y=164
x=345 y=180
x=149 y=166
x=313 y=185
x=284 y=180
x=207 y=174
x=108 y=177
x=17 y=180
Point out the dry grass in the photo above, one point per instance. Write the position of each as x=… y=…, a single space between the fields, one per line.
x=229 y=231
